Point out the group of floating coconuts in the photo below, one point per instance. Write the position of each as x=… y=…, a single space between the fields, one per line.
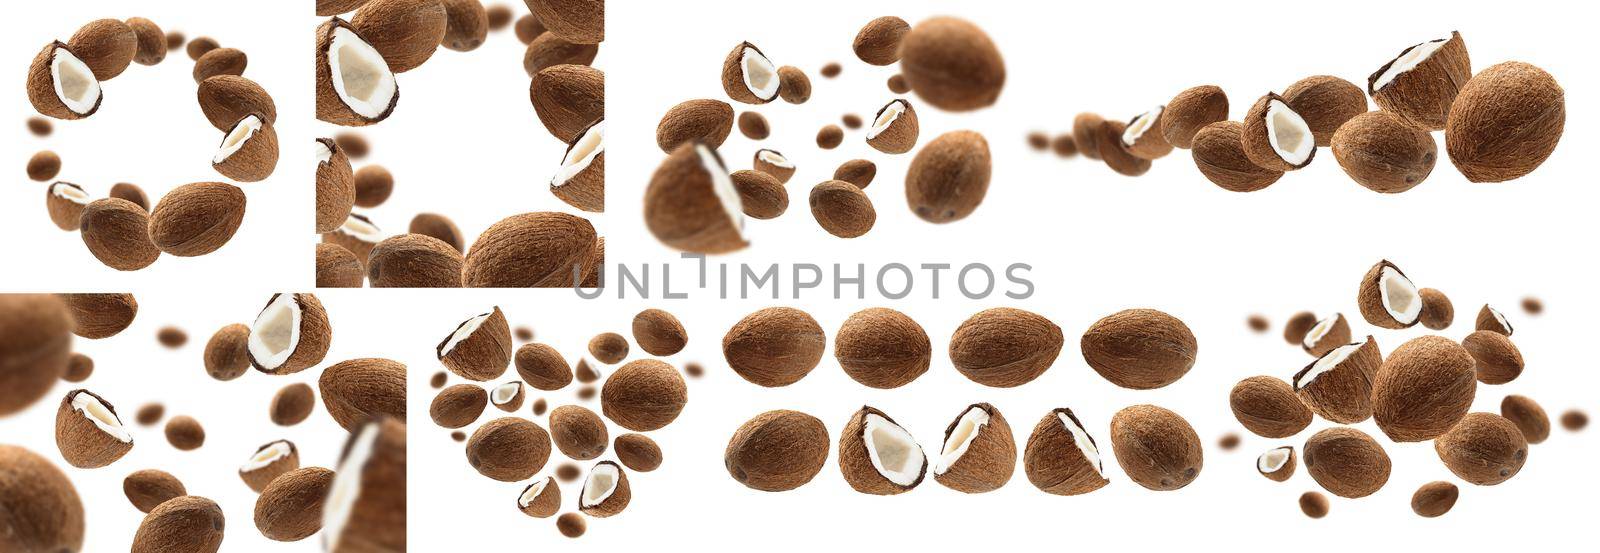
x=693 y=203
x=122 y=230
x=640 y=396
x=357 y=62
x=359 y=507
x=1499 y=125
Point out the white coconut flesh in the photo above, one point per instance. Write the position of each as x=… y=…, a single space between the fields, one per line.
x=1273 y=460
x=722 y=186
x=505 y=393
x=276 y=332
x=602 y=482
x=236 y=139
x=1327 y=363
x=893 y=452
x=1399 y=295
x=70 y=193
x=1289 y=134
x=1317 y=332
x=967 y=428
x=346 y=488
x=74 y=82
x=775 y=158
x=1498 y=318
x=1408 y=61
x=582 y=152
x=324 y=153
x=463 y=332
x=102 y=417
x=1085 y=445
x=267 y=456
x=1140 y=124
x=760 y=76
x=361 y=229
x=360 y=76
x=890 y=113
x=532 y=493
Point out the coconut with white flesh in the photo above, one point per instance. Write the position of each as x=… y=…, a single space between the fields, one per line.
x=1338 y=385
x=290 y=334
x=479 y=348
x=1388 y=299
x=1329 y=333
x=65 y=202
x=979 y=453
x=1143 y=137
x=692 y=205
x=355 y=86
x=1277 y=464
x=774 y=163
x=895 y=128
x=1420 y=85
x=748 y=76
x=541 y=499
x=249 y=152
x=508 y=396
x=1275 y=137
x=605 y=492
x=581 y=180
x=357 y=234
x=877 y=456
x=88 y=431
x=366 y=506
x=61 y=85
x=1061 y=457
x=1492 y=320
x=268 y=463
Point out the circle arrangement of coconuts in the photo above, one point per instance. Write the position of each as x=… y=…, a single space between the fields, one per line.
x=123 y=230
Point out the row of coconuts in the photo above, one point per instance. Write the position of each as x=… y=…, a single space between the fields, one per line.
x=358 y=61
x=122 y=230
x=640 y=396
x=1499 y=125
x=358 y=507
x=694 y=203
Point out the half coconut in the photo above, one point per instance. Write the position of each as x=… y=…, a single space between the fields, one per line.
x=1388 y=299
x=605 y=492
x=88 y=431
x=355 y=86
x=249 y=152
x=1275 y=137
x=894 y=129
x=479 y=348
x=581 y=180
x=748 y=76
x=541 y=499
x=1338 y=385
x=290 y=334
x=366 y=505
x=65 y=202
x=1062 y=458
x=357 y=234
x=508 y=396
x=1143 y=137
x=268 y=463
x=691 y=203
x=1328 y=333
x=774 y=163
x=877 y=456
x=978 y=454
x=61 y=85
x=1420 y=85
x=1277 y=464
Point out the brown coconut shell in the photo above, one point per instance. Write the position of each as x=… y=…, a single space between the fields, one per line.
x=581 y=21
x=901 y=134
x=1498 y=360
x=842 y=209
x=550 y=50
x=83 y=444
x=1285 y=471
x=777 y=451
x=540 y=250
x=315 y=336
x=1484 y=449
x=952 y=64
x=773 y=347
x=44 y=165
x=510 y=405
x=1055 y=463
x=107 y=46
x=90 y=316
x=255 y=159
x=358 y=244
x=637 y=452
x=704 y=121
x=1505 y=123
x=482 y=355
x=329 y=107
x=578 y=432
x=1434 y=499
x=897 y=84
x=42 y=509
x=197 y=218
x=1115 y=153
x=1423 y=95
x=764 y=166
x=753 y=126
x=227 y=353
x=1529 y=417
x=199 y=46
x=338 y=268
x=855 y=462
x=1219 y=154
x=1140 y=349
x=130 y=192
x=1384 y=153
x=878 y=42
x=1253 y=137
x=584 y=373
x=41 y=86
x=374 y=184
x=1086 y=134
x=458 y=405
x=568 y=98
x=542 y=367
x=1268 y=407
x=1295 y=329
x=65 y=213
x=659 y=333
x=290 y=507
x=1156 y=447
x=151 y=43
x=1005 y=347
x=643 y=395
x=225 y=99
x=609 y=348
x=793 y=85
x=760 y=195
x=990 y=458
x=440 y=227
x=1423 y=388
x=830 y=137
x=585 y=190
x=79 y=368
x=1342 y=394
x=544 y=505
x=1151 y=144
x=220 y=61
x=259 y=478
x=1492 y=320
x=377 y=520
x=733 y=76
x=185 y=433
x=405 y=32
x=621 y=494
x=1346 y=462
x=1190 y=111
x=1338 y=334
x=508 y=449
x=1437 y=311
x=882 y=348
x=292 y=404
x=149 y=488
x=116 y=231
x=414 y=261
x=859 y=172
x=185 y=524
x=1326 y=103
x=336 y=188
x=466 y=24
x=356 y=390
x=949 y=177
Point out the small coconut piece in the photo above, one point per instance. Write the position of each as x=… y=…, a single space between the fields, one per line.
x=609 y=348
x=366 y=505
x=1277 y=464
x=355 y=86
x=1484 y=449
x=88 y=431
x=466 y=24
x=978 y=453
x=1116 y=154
x=856 y=171
x=774 y=347
x=605 y=491
x=1156 y=447
x=568 y=99
x=290 y=334
x=220 y=61
x=225 y=99
x=894 y=128
x=197 y=218
x=149 y=488
x=292 y=404
x=185 y=524
x=1423 y=388
x=1528 y=416
x=659 y=333
x=458 y=405
x=643 y=395
x=107 y=46
x=753 y=126
x=227 y=354
x=1434 y=499
x=542 y=367
x=1492 y=320
x=878 y=42
x=748 y=76
x=44 y=165
x=549 y=50
x=877 y=456
x=185 y=433
x=132 y=193
x=268 y=463
x=1384 y=153
x=65 y=202
x=290 y=507
x=116 y=231
x=1268 y=407
x=404 y=32
x=774 y=163
x=777 y=451
x=637 y=452
x=479 y=348
x=61 y=85
x=1276 y=137
x=952 y=64
x=541 y=499
x=1005 y=347
x=541 y=249
x=508 y=449
x=1143 y=136
x=1140 y=349
x=584 y=373
x=1219 y=154
x=1505 y=123
x=581 y=179
x=42 y=510
x=356 y=390
x=1190 y=111
x=1329 y=333
x=414 y=261
x=507 y=396
x=1387 y=298
x=1061 y=457
x=578 y=432
x=1497 y=359
x=949 y=177
x=581 y=21
x=1326 y=103
x=1338 y=385
x=1346 y=462
x=1422 y=82
x=336 y=189
x=842 y=209
x=793 y=85
x=705 y=121
x=199 y=46
x=337 y=267
x=150 y=42
x=249 y=152
x=882 y=348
